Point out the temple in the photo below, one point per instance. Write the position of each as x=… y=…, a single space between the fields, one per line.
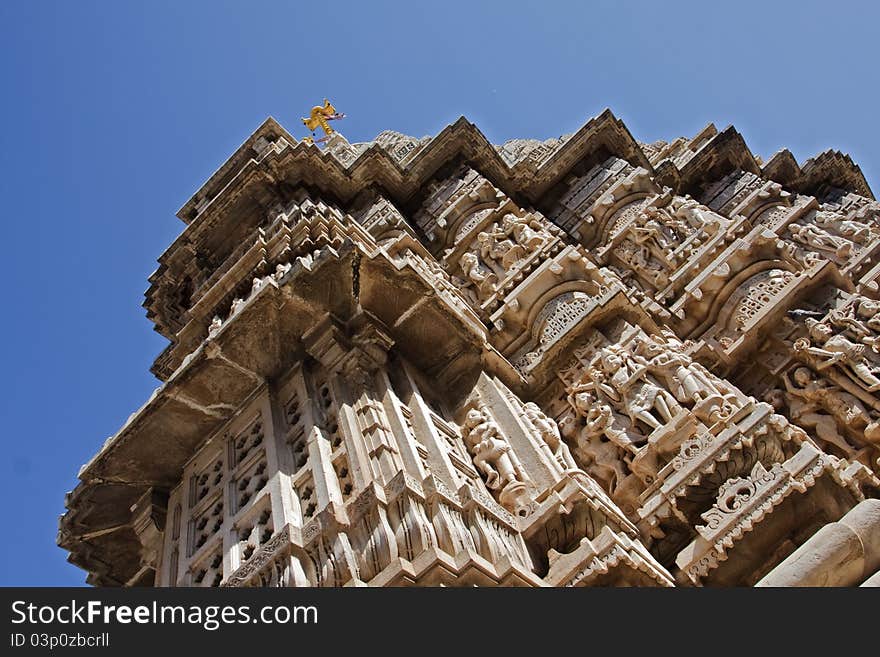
x=585 y=361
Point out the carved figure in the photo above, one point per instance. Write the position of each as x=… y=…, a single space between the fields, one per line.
x=600 y=418
x=814 y=404
x=601 y=459
x=836 y=348
x=854 y=230
x=549 y=433
x=861 y=318
x=692 y=212
x=675 y=369
x=495 y=247
x=492 y=455
x=483 y=279
x=640 y=260
x=632 y=391
x=524 y=231
x=818 y=238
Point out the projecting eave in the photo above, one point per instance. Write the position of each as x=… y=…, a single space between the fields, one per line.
x=837 y=169
x=260 y=341
x=298 y=163
x=724 y=153
x=270 y=130
x=301 y=163
x=828 y=168
x=254 y=175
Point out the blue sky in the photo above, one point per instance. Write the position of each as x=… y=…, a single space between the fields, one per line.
x=114 y=113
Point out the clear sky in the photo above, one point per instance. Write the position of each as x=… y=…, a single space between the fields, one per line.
x=114 y=113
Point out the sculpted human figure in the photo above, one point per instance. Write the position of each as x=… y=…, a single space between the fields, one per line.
x=483 y=279
x=601 y=420
x=492 y=454
x=257 y=283
x=846 y=408
x=549 y=433
x=690 y=210
x=648 y=230
x=818 y=238
x=854 y=230
x=836 y=348
x=629 y=386
x=601 y=459
x=523 y=231
x=495 y=247
x=861 y=318
x=640 y=260
x=806 y=411
x=687 y=383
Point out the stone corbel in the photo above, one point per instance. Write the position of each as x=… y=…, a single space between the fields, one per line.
x=356 y=352
x=148 y=521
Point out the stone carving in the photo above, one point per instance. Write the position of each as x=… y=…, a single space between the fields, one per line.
x=600 y=440
x=526 y=231
x=494 y=458
x=814 y=403
x=601 y=420
x=620 y=379
x=860 y=318
x=384 y=374
x=818 y=238
x=495 y=247
x=640 y=260
x=834 y=348
x=697 y=216
x=855 y=231
x=690 y=383
x=482 y=278
x=549 y=433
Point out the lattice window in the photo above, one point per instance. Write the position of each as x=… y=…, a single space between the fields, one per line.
x=254 y=532
x=293 y=414
x=296 y=433
x=206 y=524
x=343 y=475
x=249 y=483
x=329 y=419
x=623 y=215
x=308 y=498
x=206 y=481
x=246 y=441
x=759 y=293
x=208 y=571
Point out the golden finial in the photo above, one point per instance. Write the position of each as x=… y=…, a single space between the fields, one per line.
x=318 y=118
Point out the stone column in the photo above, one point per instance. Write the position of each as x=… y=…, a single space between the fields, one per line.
x=842 y=553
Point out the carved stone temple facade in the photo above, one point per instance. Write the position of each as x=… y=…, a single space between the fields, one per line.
x=586 y=361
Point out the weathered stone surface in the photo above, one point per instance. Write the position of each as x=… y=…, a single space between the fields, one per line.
x=843 y=553
x=578 y=362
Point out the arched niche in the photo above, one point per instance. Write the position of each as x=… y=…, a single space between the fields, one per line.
x=619 y=214
x=745 y=295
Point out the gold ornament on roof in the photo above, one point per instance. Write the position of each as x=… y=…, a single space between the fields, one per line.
x=318 y=118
